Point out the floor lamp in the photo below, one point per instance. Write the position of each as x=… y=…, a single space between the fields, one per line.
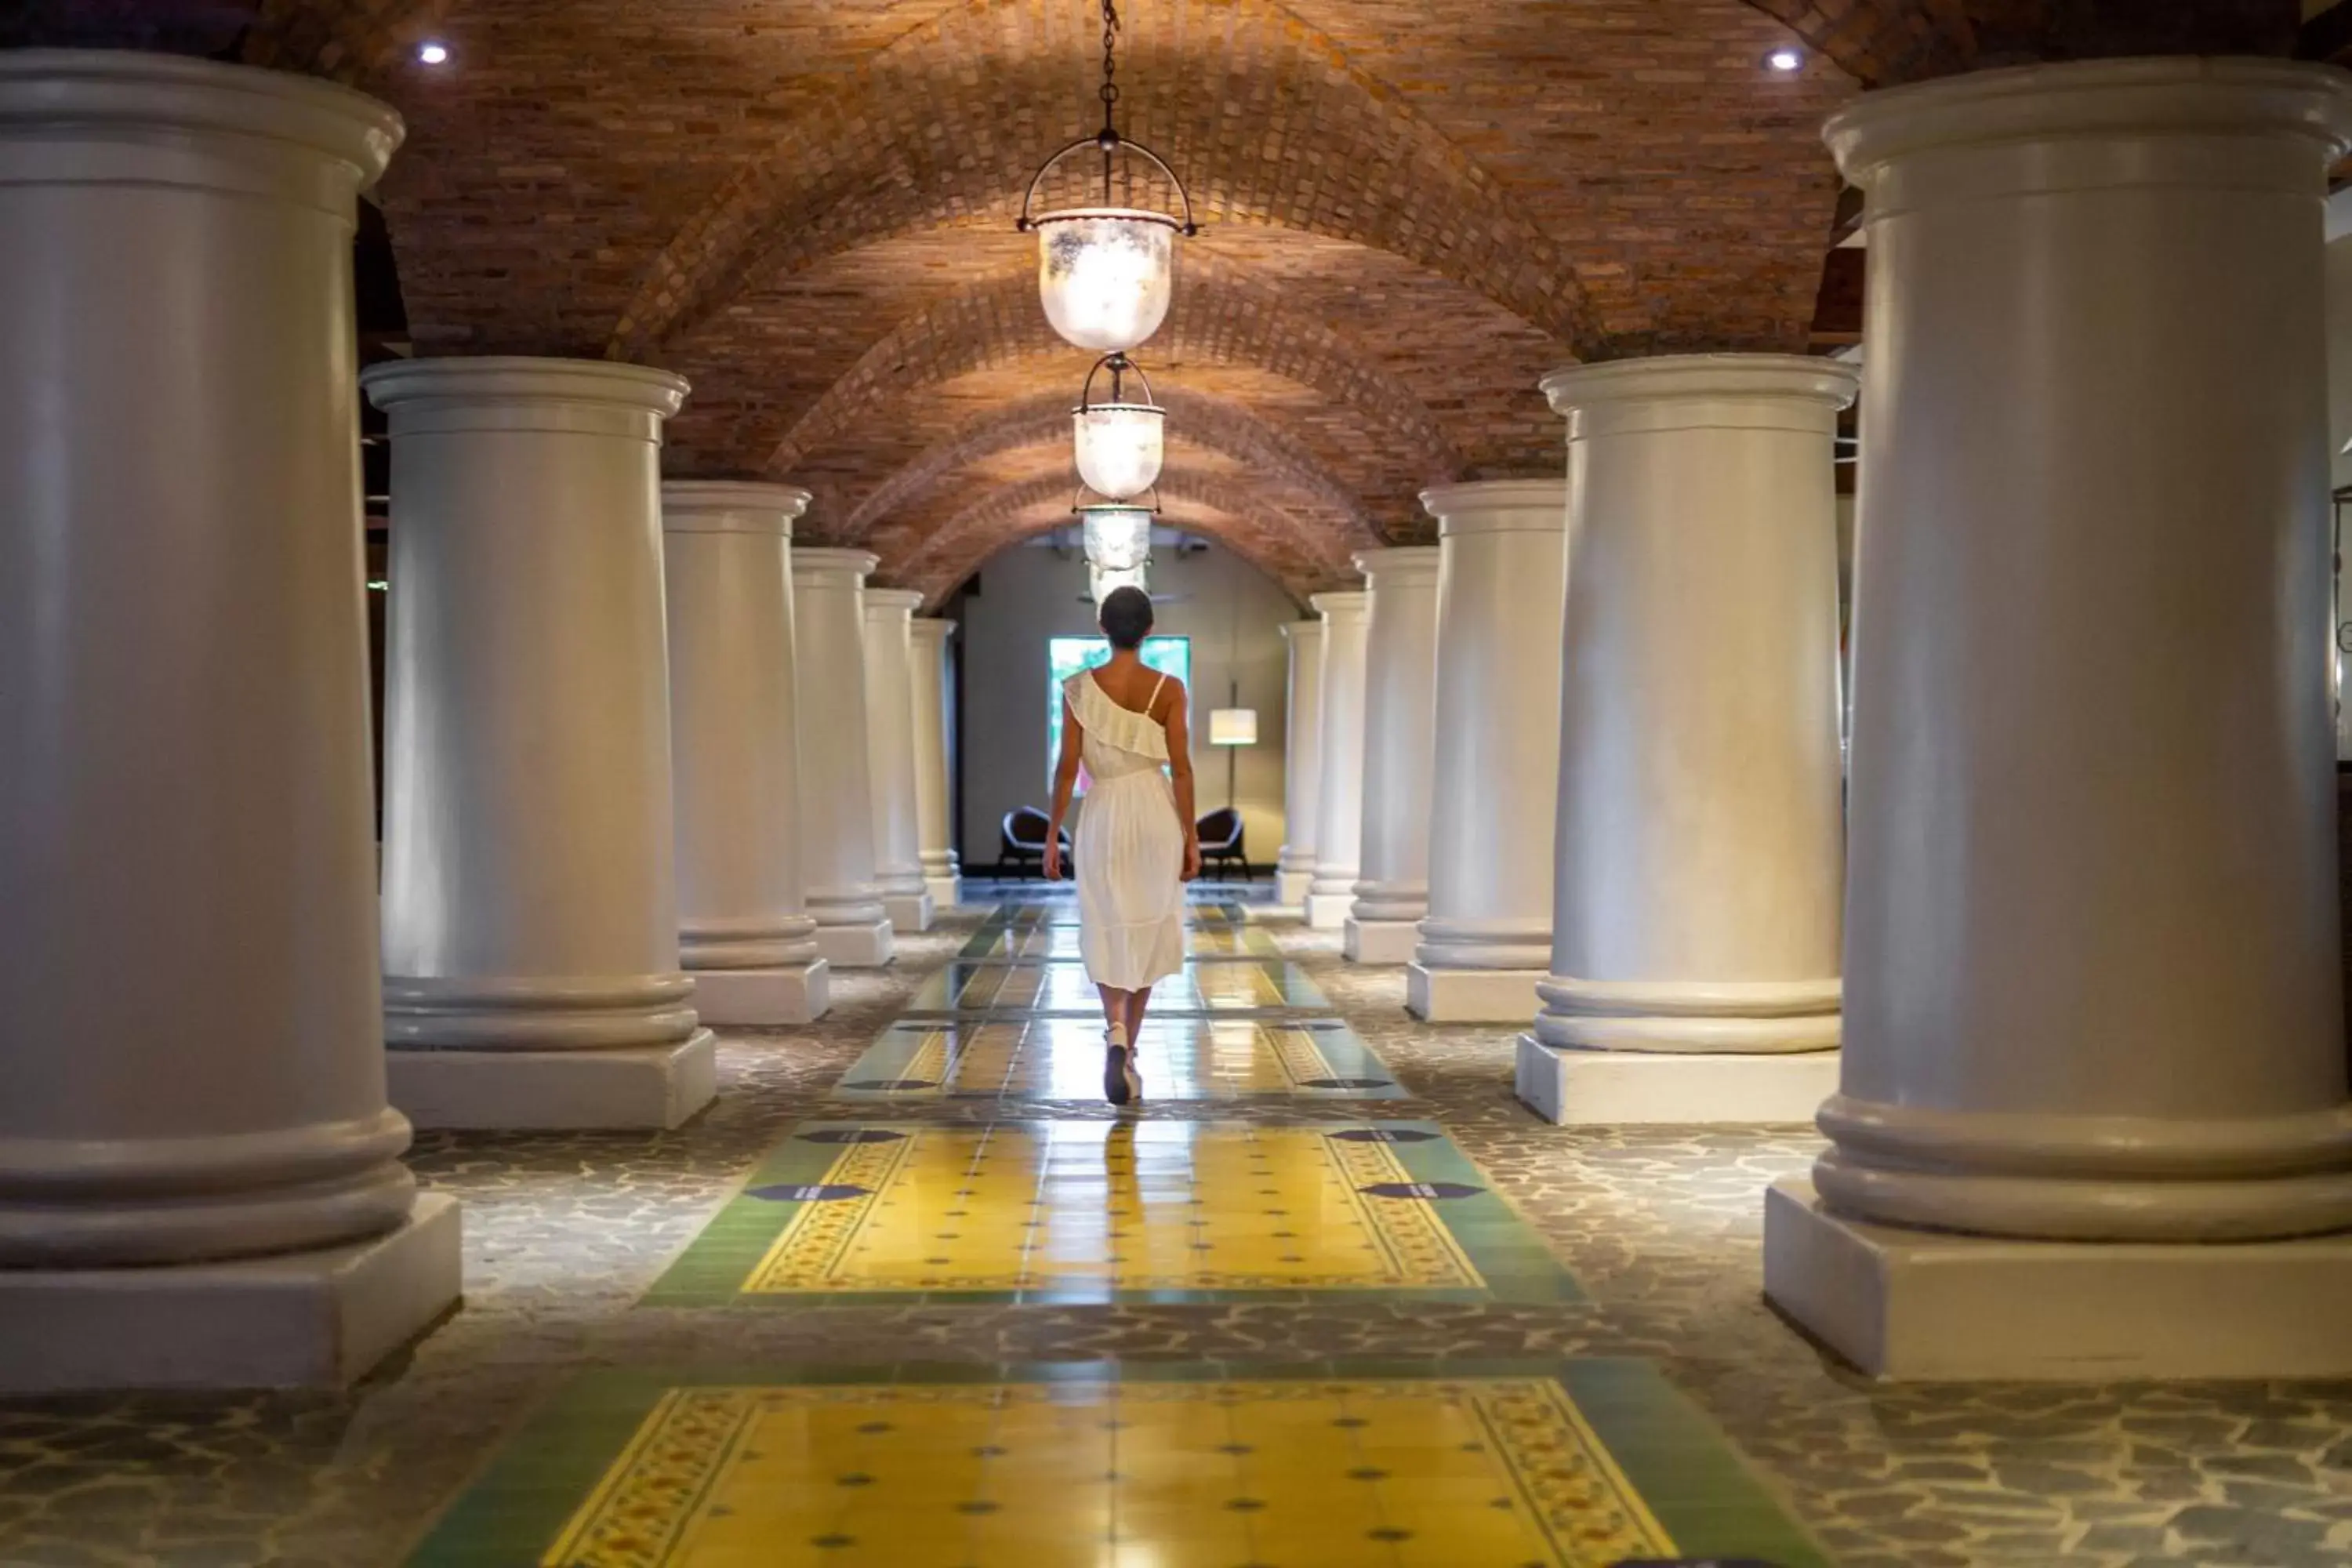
x=1232 y=728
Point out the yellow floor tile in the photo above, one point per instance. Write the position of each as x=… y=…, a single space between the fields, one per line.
x=1163 y=1205
x=1026 y=1475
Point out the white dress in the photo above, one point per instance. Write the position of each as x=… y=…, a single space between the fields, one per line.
x=1129 y=845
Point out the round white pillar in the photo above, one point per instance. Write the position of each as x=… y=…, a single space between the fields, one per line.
x=1302 y=752
x=2149 y=822
x=531 y=943
x=853 y=931
x=1697 y=857
x=727 y=575
x=192 y=1068
x=1400 y=722
x=1487 y=939
x=935 y=832
x=2093 y=984
x=890 y=756
x=1339 y=800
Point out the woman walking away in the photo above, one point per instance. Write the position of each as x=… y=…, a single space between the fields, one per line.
x=1136 y=845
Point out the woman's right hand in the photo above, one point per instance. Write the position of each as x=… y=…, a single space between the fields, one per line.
x=1054 y=858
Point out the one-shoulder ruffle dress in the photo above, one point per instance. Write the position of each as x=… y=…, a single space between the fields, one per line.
x=1129 y=846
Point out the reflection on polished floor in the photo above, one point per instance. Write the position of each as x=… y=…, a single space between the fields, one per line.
x=1253 y=1174
x=996 y=985
x=1581 y=1464
x=1107 y=1210
x=1058 y=939
x=1061 y=1059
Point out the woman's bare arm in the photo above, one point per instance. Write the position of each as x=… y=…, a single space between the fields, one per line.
x=1180 y=769
x=1066 y=780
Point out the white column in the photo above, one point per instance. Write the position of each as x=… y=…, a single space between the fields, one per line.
x=744 y=931
x=531 y=953
x=1400 y=722
x=1486 y=939
x=1302 y=754
x=935 y=833
x=1697 y=857
x=1340 y=802
x=200 y=1180
x=890 y=757
x=852 y=932
x=2094 y=1016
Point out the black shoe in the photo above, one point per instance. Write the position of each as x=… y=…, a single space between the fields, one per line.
x=1119 y=1077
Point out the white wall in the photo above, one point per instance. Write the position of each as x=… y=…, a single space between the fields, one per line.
x=1028 y=593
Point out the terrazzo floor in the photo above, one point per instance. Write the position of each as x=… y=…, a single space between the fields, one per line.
x=605 y=1317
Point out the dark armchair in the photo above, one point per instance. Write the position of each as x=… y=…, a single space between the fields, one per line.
x=1221 y=840
x=1023 y=846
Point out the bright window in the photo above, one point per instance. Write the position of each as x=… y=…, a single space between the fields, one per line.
x=1064 y=656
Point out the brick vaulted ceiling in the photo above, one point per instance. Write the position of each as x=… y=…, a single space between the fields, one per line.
x=1413 y=208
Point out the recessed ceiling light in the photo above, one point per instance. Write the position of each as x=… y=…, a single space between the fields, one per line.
x=431 y=52
x=1784 y=59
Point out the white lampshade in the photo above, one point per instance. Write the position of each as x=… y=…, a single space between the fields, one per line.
x=1105 y=275
x=1119 y=447
x=1118 y=538
x=1103 y=580
x=1232 y=727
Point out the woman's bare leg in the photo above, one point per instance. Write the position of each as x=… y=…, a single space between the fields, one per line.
x=1137 y=1000
x=1119 y=1042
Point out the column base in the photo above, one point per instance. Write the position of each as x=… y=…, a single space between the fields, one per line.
x=1472 y=995
x=1589 y=1088
x=908 y=912
x=642 y=1086
x=763 y=998
x=1328 y=911
x=298 y=1319
x=946 y=892
x=1932 y=1306
x=1291 y=887
x=856 y=947
x=1379 y=941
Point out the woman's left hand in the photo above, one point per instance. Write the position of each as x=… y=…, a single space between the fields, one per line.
x=1192 y=859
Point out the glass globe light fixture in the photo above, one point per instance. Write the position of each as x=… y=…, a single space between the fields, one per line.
x=1118 y=444
x=1118 y=538
x=1106 y=272
x=1102 y=581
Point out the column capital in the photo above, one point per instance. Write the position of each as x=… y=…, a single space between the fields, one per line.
x=522 y=394
x=1353 y=604
x=932 y=629
x=2090 y=101
x=109 y=105
x=1399 y=562
x=1800 y=392
x=731 y=506
x=1302 y=631
x=900 y=602
x=1498 y=506
x=809 y=566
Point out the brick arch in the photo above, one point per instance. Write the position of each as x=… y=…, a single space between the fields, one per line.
x=1217 y=423
x=1268 y=538
x=1311 y=532
x=1267 y=116
x=1219 y=316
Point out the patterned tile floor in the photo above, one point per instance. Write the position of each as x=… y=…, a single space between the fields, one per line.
x=568 y=1237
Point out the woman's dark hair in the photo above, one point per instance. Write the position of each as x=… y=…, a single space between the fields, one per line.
x=1126 y=617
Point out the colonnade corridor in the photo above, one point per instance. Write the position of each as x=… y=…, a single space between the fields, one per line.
x=907 y=1293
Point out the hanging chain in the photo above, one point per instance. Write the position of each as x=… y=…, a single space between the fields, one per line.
x=1108 y=139
x=1110 y=58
